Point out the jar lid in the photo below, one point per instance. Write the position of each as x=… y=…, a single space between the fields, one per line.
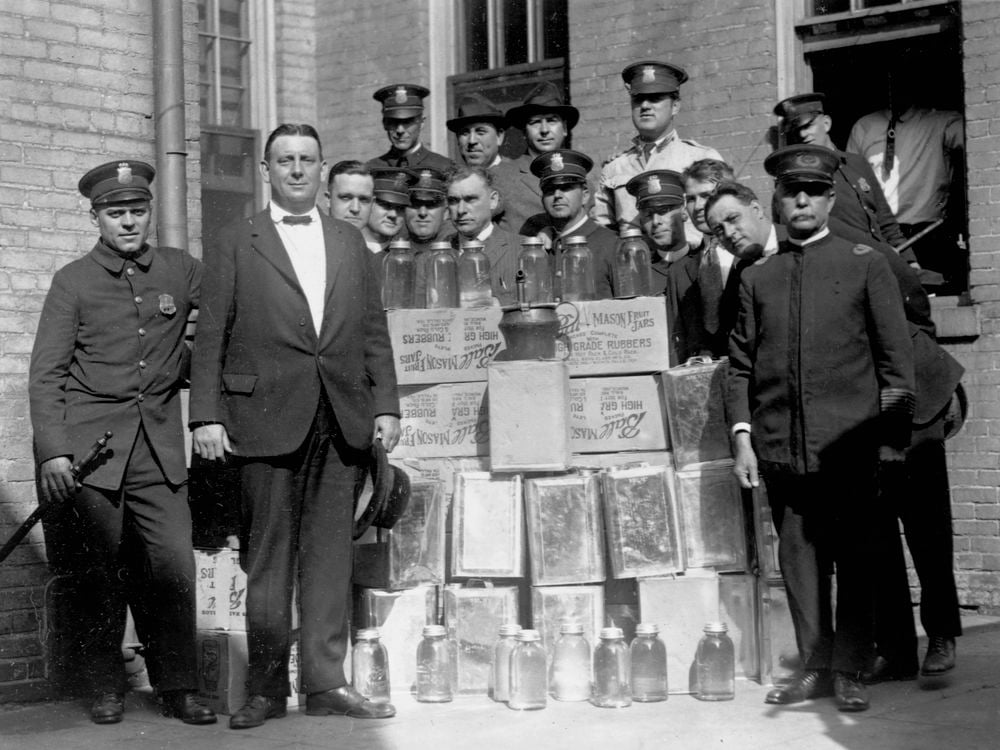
x=716 y=627
x=400 y=244
x=571 y=627
x=473 y=245
x=611 y=633
x=576 y=239
x=631 y=231
x=368 y=634
x=529 y=635
x=434 y=630
x=510 y=628
x=440 y=245
x=647 y=628
x=531 y=242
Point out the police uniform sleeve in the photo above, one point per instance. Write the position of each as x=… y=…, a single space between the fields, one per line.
x=603 y=210
x=51 y=357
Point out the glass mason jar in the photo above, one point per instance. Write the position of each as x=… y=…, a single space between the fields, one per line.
x=442 y=276
x=537 y=267
x=474 y=288
x=612 y=688
x=433 y=666
x=569 y=679
x=632 y=271
x=716 y=664
x=499 y=687
x=648 y=658
x=370 y=666
x=529 y=686
x=399 y=276
x=578 y=279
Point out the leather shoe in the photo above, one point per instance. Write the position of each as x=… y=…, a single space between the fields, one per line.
x=107 y=708
x=346 y=701
x=852 y=695
x=940 y=657
x=257 y=710
x=883 y=670
x=186 y=706
x=813 y=683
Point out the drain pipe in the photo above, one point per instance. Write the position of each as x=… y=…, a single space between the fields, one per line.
x=171 y=154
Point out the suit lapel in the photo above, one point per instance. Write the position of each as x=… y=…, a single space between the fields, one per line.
x=267 y=242
x=527 y=179
x=334 y=258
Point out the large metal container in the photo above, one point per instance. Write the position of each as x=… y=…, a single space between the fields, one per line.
x=400 y=617
x=711 y=510
x=779 y=654
x=473 y=617
x=487 y=526
x=738 y=609
x=695 y=399
x=550 y=605
x=565 y=529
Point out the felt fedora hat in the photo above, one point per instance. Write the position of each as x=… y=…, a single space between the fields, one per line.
x=381 y=493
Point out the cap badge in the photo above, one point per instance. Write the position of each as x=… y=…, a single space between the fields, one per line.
x=399 y=181
x=863 y=184
x=124 y=173
x=807 y=160
x=648 y=74
x=556 y=163
x=426 y=179
x=167 y=306
x=401 y=95
x=653 y=184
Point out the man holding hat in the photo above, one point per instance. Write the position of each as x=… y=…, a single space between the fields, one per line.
x=293 y=380
x=820 y=391
x=861 y=212
x=654 y=93
x=402 y=119
x=110 y=355
x=546 y=121
x=562 y=176
x=391 y=197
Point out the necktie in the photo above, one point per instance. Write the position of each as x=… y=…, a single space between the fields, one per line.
x=647 y=151
x=710 y=286
x=890 y=149
x=292 y=219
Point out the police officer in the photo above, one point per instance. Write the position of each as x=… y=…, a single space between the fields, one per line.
x=402 y=119
x=426 y=221
x=391 y=197
x=654 y=93
x=110 y=355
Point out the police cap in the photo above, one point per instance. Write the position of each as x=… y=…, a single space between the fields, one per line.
x=653 y=77
x=401 y=100
x=799 y=110
x=118 y=182
x=802 y=163
x=427 y=184
x=661 y=188
x=561 y=167
x=392 y=185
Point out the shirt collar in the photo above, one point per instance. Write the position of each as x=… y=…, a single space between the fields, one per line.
x=495 y=162
x=568 y=230
x=659 y=144
x=811 y=239
x=409 y=152
x=278 y=213
x=114 y=261
x=487 y=231
x=771 y=246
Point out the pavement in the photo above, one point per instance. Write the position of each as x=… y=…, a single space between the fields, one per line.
x=960 y=711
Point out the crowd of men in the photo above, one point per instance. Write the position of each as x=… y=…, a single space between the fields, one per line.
x=838 y=395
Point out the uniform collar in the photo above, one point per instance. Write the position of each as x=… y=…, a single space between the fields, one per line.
x=395 y=153
x=812 y=239
x=114 y=261
x=660 y=143
x=571 y=228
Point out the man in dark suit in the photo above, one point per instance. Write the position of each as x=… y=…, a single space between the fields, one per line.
x=820 y=390
x=472 y=198
x=402 y=119
x=562 y=176
x=110 y=355
x=293 y=377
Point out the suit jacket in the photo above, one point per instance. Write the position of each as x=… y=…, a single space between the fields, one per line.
x=520 y=197
x=422 y=157
x=110 y=355
x=684 y=316
x=259 y=366
x=502 y=248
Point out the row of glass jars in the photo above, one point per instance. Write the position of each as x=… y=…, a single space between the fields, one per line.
x=465 y=281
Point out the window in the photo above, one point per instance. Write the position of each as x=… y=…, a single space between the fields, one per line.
x=229 y=142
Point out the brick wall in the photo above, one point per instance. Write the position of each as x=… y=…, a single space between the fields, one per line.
x=296 y=30
x=76 y=86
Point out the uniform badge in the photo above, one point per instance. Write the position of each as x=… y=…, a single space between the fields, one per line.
x=167 y=306
x=124 y=173
x=556 y=163
x=863 y=184
x=401 y=95
x=807 y=160
x=653 y=184
x=426 y=179
x=399 y=182
x=648 y=74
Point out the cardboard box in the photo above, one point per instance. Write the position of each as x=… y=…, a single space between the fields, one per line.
x=473 y=617
x=400 y=617
x=488 y=526
x=779 y=654
x=529 y=415
x=211 y=589
x=238 y=593
x=565 y=529
x=738 y=609
x=637 y=459
x=712 y=520
x=446 y=345
x=695 y=406
x=680 y=606
x=451 y=419
x=412 y=552
x=442 y=469
x=615 y=336
x=640 y=514
x=550 y=605
x=617 y=414
x=223 y=672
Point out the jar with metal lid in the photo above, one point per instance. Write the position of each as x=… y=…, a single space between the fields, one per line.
x=648 y=661
x=442 y=276
x=434 y=666
x=612 y=683
x=537 y=267
x=578 y=279
x=716 y=664
x=370 y=666
x=499 y=687
x=399 y=272
x=529 y=685
x=632 y=269
x=569 y=679
x=474 y=287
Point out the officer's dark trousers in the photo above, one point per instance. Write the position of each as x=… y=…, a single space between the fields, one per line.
x=140 y=537
x=298 y=510
x=923 y=504
x=822 y=526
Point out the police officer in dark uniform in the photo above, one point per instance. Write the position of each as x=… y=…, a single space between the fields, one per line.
x=426 y=221
x=821 y=390
x=110 y=355
x=402 y=118
x=861 y=212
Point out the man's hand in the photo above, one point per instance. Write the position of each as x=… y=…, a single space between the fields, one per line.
x=745 y=468
x=387 y=430
x=58 y=482
x=211 y=442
